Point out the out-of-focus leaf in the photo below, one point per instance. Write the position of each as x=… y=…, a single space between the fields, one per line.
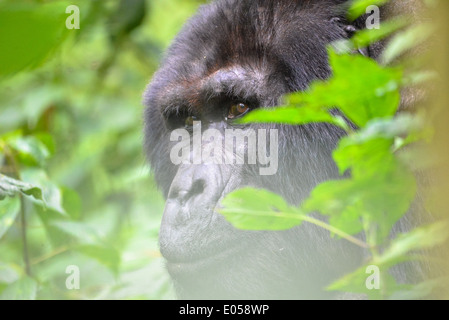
x=23 y=289
x=356 y=282
x=52 y=195
x=406 y=40
x=29 y=109
x=9 y=208
x=358 y=7
x=420 y=77
x=366 y=37
x=370 y=149
x=71 y=201
x=10 y=118
x=257 y=209
x=7 y=273
x=84 y=233
x=420 y=238
x=47 y=140
x=11 y=187
x=29 y=33
x=168 y=16
x=400 y=126
x=139 y=280
x=128 y=16
x=30 y=151
x=107 y=256
x=420 y=290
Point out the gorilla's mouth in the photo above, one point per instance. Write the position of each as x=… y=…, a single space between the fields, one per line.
x=208 y=262
x=188 y=251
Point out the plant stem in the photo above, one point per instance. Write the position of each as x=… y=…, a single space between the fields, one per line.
x=23 y=232
x=372 y=238
x=338 y=232
x=295 y=215
x=50 y=255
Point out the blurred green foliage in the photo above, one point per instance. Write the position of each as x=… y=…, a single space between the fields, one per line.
x=381 y=184
x=75 y=188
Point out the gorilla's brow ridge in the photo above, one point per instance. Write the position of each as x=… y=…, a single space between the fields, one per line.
x=235 y=82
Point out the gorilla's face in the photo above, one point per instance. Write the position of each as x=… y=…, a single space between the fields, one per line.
x=234 y=57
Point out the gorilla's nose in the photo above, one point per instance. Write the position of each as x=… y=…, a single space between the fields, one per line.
x=190 y=212
x=186 y=188
x=194 y=193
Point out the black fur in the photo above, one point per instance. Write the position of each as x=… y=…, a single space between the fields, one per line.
x=253 y=51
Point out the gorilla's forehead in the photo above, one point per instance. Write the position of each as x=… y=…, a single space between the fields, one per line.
x=246 y=49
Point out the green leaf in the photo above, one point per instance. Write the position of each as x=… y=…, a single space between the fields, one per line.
x=389 y=197
x=30 y=150
x=420 y=238
x=47 y=140
x=11 y=187
x=23 y=289
x=72 y=201
x=107 y=256
x=90 y=243
x=420 y=290
x=358 y=7
x=377 y=96
x=417 y=239
x=356 y=282
x=381 y=188
x=341 y=201
x=406 y=40
x=370 y=150
x=83 y=232
x=43 y=27
x=52 y=195
x=364 y=157
x=9 y=209
x=399 y=126
x=8 y=273
x=257 y=209
x=420 y=77
x=292 y=115
x=381 y=198
x=365 y=37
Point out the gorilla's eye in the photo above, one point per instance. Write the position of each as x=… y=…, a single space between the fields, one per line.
x=237 y=110
x=189 y=121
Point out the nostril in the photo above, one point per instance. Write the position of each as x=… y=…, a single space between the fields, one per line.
x=178 y=194
x=197 y=188
x=183 y=195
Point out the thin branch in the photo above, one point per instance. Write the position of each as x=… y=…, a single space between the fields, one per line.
x=303 y=217
x=337 y=231
x=23 y=233
x=49 y=255
x=23 y=230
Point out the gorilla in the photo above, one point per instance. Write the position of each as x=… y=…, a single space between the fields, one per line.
x=233 y=57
